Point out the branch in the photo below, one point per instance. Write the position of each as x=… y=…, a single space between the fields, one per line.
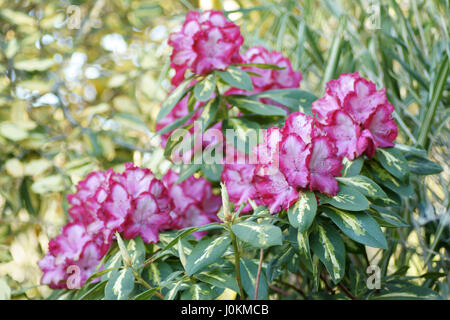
x=258 y=275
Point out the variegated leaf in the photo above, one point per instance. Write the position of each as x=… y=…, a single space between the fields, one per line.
x=254 y=106
x=352 y=168
x=383 y=177
x=259 y=235
x=120 y=285
x=301 y=214
x=204 y=89
x=358 y=226
x=327 y=244
x=364 y=185
x=304 y=250
x=249 y=270
x=176 y=95
x=219 y=279
x=348 y=198
x=206 y=252
x=237 y=78
x=393 y=161
x=197 y=291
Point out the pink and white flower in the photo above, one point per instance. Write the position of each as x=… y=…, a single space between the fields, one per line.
x=192 y=192
x=238 y=179
x=356 y=115
x=324 y=166
x=275 y=191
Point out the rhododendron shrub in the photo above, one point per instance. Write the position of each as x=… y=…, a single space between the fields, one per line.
x=300 y=184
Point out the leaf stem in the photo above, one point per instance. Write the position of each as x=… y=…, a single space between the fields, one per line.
x=146 y=284
x=237 y=263
x=258 y=275
x=346 y=291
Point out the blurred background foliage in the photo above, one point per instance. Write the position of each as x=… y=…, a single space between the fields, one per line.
x=81 y=83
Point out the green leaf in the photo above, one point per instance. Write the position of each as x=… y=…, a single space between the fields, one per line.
x=17 y=17
x=243 y=129
x=407 y=293
x=136 y=249
x=178 y=142
x=352 y=168
x=197 y=291
x=387 y=218
x=249 y=270
x=435 y=93
x=204 y=89
x=422 y=166
x=120 y=285
x=209 y=112
x=294 y=99
x=171 y=295
x=146 y=295
x=237 y=78
x=177 y=123
x=304 y=250
x=364 y=185
x=5 y=290
x=12 y=131
x=180 y=235
x=359 y=226
x=35 y=64
x=393 y=161
x=123 y=251
x=327 y=244
x=301 y=214
x=53 y=183
x=409 y=150
x=259 y=235
x=225 y=201
x=174 y=98
x=254 y=106
x=96 y=292
x=260 y=66
x=348 y=198
x=113 y=264
x=385 y=178
x=206 y=252
x=276 y=266
x=334 y=52
x=219 y=279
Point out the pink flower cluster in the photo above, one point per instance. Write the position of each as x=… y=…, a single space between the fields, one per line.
x=134 y=203
x=268 y=79
x=195 y=204
x=356 y=115
x=205 y=42
x=298 y=156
